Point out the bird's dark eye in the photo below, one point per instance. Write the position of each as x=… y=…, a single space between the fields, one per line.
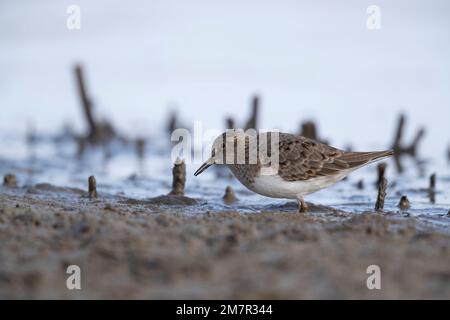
x=213 y=153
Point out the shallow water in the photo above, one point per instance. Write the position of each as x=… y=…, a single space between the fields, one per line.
x=123 y=175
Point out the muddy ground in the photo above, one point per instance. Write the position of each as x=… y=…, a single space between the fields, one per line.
x=141 y=249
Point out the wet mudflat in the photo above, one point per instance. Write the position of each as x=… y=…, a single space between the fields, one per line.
x=145 y=227
x=144 y=249
x=138 y=224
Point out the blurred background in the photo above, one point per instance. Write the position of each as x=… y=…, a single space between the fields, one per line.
x=148 y=67
x=143 y=61
x=307 y=60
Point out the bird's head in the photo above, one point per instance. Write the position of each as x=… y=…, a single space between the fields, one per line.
x=227 y=141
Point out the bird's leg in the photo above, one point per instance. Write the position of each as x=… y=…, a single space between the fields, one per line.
x=302 y=206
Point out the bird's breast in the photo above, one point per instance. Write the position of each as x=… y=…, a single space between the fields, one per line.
x=274 y=186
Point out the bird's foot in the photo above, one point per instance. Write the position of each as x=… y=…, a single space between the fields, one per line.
x=302 y=206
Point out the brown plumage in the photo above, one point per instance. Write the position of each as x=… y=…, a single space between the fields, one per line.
x=302 y=158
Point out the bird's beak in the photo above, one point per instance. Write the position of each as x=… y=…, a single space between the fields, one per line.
x=204 y=166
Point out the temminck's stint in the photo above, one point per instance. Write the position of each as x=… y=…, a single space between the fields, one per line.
x=300 y=167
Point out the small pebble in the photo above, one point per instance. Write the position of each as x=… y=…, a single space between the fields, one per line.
x=404 y=203
x=10 y=180
x=229 y=196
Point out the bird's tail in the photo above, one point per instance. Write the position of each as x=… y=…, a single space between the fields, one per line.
x=357 y=159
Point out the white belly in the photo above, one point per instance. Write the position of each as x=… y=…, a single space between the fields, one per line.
x=275 y=187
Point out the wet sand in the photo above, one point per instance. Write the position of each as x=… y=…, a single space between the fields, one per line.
x=142 y=249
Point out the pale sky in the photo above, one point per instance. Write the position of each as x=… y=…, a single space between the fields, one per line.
x=307 y=59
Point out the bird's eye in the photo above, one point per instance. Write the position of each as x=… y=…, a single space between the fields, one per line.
x=213 y=153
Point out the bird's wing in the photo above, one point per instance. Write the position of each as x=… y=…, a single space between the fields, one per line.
x=302 y=158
